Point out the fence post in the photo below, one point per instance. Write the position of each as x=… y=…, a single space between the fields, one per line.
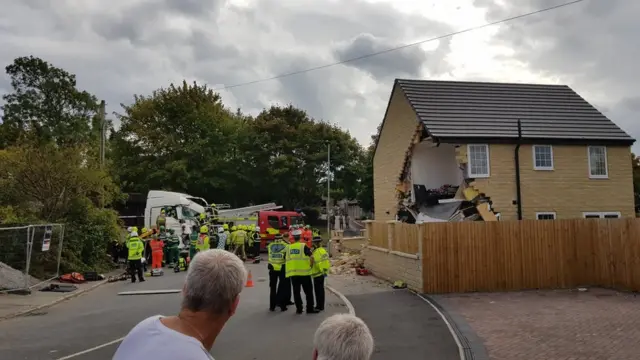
x=31 y=232
x=391 y=233
x=368 y=229
x=420 y=239
x=60 y=250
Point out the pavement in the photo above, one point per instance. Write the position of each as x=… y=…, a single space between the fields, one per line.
x=549 y=325
x=101 y=316
x=403 y=324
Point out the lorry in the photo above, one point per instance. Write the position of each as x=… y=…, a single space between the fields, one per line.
x=182 y=210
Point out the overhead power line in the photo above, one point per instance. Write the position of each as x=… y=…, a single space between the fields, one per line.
x=400 y=47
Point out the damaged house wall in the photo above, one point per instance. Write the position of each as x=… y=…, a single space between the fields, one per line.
x=399 y=126
x=434 y=166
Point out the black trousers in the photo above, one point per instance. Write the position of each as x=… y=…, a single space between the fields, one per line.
x=318 y=289
x=279 y=289
x=303 y=282
x=135 y=267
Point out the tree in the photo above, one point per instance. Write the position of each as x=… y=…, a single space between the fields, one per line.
x=45 y=106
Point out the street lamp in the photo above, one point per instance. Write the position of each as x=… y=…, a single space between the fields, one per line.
x=328 y=191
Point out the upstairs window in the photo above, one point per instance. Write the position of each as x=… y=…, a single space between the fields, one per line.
x=542 y=157
x=478 y=160
x=598 y=162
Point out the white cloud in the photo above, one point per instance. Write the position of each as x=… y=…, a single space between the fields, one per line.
x=121 y=48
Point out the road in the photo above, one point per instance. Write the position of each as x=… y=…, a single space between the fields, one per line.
x=102 y=316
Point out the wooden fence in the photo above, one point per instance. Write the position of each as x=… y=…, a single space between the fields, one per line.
x=518 y=255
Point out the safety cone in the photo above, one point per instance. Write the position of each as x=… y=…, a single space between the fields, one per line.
x=249 y=280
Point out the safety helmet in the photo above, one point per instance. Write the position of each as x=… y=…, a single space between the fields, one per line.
x=297 y=233
x=129 y=229
x=220 y=230
x=171 y=231
x=135 y=228
x=234 y=228
x=204 y=229
x=161 y=227
x=213 y=205
x=145 y=230
x=134 y=234
x=163 y=211
x=257 y=228
x=317 y=239
x=307 y=227
x=225 y=226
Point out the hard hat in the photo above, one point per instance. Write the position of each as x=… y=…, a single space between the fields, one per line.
x=257 y=228
x=171 y=231
x=134 y=234
x=202 y=215
x=297 y=232
x=135 y=228
x=213 y=205
x=162 y=211
x=220 y=230
x=161 y=227
x=233 y=228
x=129 y=229
x=225 y=226
x=307 y=227
x=317 y=239
x=144 y=230
x=204 y=229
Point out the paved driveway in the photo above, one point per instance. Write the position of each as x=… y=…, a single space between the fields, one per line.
x=552 y=325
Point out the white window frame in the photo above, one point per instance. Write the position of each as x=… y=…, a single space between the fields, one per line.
x=533 y=155
x=606 y=163
x=544 y=213
x=485 y=175
x=601 y=214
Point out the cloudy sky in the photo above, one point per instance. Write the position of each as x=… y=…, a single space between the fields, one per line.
x=119 y=48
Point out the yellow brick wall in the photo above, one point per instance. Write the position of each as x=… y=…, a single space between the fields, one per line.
x=395 y=139
x=392 y=267
x=567 y=190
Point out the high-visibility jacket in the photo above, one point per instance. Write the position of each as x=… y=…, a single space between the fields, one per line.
x=193 y=238
x=136 y=248
x=156 y=245
x=161 y=220
x=203 y=242
x=307 y=236
x=228 y=237
x=321 y=263
x=250 y=237
x=276 y=251
x=297 y=262
x=239 y=237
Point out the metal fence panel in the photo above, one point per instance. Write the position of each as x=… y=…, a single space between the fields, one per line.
x=29 y=255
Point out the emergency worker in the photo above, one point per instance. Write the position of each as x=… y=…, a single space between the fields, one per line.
x=203 y=239
x=161 y=220
x=135 y=248
x=239 y=239
x=173 y=243
x=256 y=242
x=193 y=241
x=319 y=271
x=227 y=236
x=156 y=252
x=307 y=236
x=279 y=285
x=298 y=264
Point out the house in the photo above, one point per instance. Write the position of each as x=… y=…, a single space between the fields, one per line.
x=496 y=151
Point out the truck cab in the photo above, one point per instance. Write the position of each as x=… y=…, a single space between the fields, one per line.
x=181 y=212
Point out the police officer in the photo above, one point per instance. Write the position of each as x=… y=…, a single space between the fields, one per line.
x=135 y=248
x=298 y=264
x=319 y=271
x=193 y=241
x=279 y=285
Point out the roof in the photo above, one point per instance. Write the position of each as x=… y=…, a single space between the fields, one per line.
x=459 y=110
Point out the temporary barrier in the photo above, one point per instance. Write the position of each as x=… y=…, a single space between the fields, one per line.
x=29 y=255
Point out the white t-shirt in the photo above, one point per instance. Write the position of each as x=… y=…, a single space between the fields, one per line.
x=150 y=339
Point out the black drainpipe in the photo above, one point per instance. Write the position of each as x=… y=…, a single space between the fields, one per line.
x=517 y=159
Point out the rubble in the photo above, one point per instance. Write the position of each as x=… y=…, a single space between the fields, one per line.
x=11 y=278
x=345 y=263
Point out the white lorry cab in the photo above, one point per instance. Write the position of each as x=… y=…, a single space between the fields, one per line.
x=182 y=210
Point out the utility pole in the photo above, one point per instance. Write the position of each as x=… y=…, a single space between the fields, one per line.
x=103 y=132
x=328 y=189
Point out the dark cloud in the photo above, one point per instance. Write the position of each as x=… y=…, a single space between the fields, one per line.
x=590 y=46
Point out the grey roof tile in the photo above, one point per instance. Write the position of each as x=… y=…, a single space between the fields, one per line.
x=458 y=109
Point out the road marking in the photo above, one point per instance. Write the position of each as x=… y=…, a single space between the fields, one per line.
x=91 y=349
x=444 y=318
x=344 y=299
x=150 y=292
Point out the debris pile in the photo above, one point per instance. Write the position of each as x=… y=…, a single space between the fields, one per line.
x=11 y=278
x=345 y=263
